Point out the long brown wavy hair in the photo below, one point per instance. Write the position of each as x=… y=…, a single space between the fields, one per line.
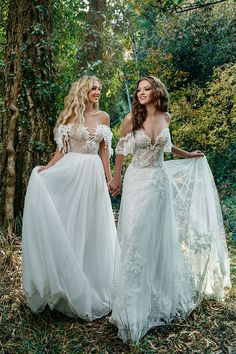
x=160 y=101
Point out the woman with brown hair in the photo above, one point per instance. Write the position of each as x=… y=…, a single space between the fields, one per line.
x=173 y=248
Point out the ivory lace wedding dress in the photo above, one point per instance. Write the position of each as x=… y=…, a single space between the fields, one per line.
x=173 y=248
x=69 y=234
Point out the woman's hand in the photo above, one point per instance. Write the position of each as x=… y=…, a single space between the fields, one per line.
x=114 y=186
x=196 y=153
x=55 y=158
x=42 y=168
x=185 y=154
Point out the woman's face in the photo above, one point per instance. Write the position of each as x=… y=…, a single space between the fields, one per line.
x=145 y=92
x=94 y=93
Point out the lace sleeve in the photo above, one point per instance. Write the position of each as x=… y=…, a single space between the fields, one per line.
x=62 y=138
x=125 y=145
x=107 y=136
x=168 y=145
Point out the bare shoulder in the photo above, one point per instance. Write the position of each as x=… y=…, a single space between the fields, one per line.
x=127 y=125
x=104 y=118
x=128 y=118
x=168 y=117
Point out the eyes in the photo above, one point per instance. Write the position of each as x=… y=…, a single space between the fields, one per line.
x=144 y=88
x=94 y=88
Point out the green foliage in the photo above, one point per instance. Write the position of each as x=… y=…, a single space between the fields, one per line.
x=203 y=40
x=206 y=119
x=37 y=74
x=4 y=4
x=209 y=114
x=74 y=50
x=178 y=48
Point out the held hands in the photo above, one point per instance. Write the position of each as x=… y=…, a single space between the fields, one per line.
x=196 y=153
x=114 y=186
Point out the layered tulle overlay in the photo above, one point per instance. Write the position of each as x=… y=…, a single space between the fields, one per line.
x=173 y=248
x=69 y=232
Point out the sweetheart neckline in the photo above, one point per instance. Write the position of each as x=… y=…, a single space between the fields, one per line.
x=156 y=137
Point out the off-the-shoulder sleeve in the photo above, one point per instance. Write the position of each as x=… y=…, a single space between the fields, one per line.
x=125 y=145
x=107 y=136
x=168 y=145
x=62 y=138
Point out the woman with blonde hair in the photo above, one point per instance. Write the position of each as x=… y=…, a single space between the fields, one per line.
x=173 y=248
x=69 y=234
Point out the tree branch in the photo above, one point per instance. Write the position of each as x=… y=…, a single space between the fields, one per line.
x=195 y=6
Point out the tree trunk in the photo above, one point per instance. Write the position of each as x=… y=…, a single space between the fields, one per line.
x=92 y=50
x=25 y=130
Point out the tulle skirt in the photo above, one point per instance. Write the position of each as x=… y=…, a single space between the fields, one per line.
x=69 y=238
x=173 y=248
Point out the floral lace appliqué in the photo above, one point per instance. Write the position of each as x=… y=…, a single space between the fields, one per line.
x=145 y=154
x=77 y=138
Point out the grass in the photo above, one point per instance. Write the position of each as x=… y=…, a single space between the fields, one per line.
x=211 y=328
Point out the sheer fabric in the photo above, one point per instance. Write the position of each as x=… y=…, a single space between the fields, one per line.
x=77 y=138
x=69 y=234
x=173 y=248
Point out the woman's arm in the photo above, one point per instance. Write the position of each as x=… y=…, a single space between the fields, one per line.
x=103 y=149
x=185 y=154
x=179 y=152
x=104 y=155
x=114 y=185
x=56 y=157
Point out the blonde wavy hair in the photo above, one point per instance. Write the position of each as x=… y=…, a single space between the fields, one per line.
x=75 y=101
x=160 y=101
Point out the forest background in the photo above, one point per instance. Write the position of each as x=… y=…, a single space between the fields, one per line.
x=45 y=45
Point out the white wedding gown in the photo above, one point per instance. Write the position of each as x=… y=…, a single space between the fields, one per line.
x=69 y=234
x=173 y=248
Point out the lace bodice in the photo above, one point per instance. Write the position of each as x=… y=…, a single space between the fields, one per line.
x=77 y=138
x=145 y=154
